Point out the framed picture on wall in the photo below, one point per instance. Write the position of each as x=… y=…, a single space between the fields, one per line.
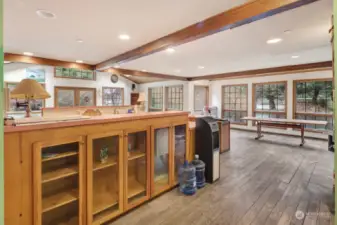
x=36 y=74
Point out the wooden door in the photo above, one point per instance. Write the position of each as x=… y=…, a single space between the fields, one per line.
x=161 y=159
x=201 y=96
x=59 y=182
x=180 y=152
x=136 y=167
x=134 y=98
x=105 y=177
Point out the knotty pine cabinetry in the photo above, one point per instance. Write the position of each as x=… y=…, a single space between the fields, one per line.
x=90 y=174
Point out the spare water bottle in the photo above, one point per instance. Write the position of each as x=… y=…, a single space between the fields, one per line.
x=187 y=179
x=200 y=171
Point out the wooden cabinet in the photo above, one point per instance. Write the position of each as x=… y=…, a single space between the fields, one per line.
x=224 y=131
x=104 y=176
x=90 y=174
x=58 y=182
x=136 y=166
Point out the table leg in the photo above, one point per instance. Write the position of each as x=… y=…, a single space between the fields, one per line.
x=259 y=131
x=302 y=135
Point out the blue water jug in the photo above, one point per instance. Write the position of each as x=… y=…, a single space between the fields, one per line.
x=187 y=179
x=199 y=171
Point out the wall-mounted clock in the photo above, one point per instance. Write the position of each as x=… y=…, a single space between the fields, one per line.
x=114 y=78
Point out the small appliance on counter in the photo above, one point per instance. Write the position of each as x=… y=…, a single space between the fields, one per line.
x=207 y=146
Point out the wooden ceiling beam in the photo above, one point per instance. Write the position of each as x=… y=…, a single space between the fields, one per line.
x=235 y=17
x=144 y=74
x=48 y=62
x=319 y=66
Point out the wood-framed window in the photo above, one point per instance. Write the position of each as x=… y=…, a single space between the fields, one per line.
x=270 y=100
x=156 y=99
x=19 y=105
x=235 y=103
x=174 y=97
x=201 y=95
x=313 y=101
x=74 y=96
x=112 y=96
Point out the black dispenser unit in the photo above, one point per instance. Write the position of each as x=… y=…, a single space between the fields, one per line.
x=207 y=146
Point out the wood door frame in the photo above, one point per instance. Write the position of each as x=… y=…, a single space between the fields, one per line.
x=222 y=102
x=147 y=129
x=89 y=170
x=76 y=94
x=207 y=95
x=37 y=176
x=170 y=164
x=105 y=87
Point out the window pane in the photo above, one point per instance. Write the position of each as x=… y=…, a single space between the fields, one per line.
x=235 y=102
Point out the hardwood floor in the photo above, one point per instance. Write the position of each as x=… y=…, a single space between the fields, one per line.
x=262 y=182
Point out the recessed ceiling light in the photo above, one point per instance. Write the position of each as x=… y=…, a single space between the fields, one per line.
x=124 y=37
x=117 y=66
x=28 y=53
x=170 y=50
x=295 y=56
x=45 y=14
x=177 y=71
x=201 y=67
x=127 y=75
x=144 y=70
x=79 y=41
x=274 y=41
x=79 y=61
x=6 y=62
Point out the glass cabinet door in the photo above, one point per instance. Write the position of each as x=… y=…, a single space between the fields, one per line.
x=58 y=182
x=161 y=160
x=137 y=167
x=104 y=177
x=180 y=134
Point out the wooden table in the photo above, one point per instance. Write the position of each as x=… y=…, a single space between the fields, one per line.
x=284 y=123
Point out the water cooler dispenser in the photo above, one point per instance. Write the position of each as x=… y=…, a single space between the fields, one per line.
x=207 y=146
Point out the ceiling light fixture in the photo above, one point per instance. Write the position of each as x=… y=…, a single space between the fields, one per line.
x=170 y=50
x=79 y=41
x=6 y=62
x=144 y=70
x=177 y=71
x=79 y=61
x=201 y=67
x=127 y=75
x=45 y=14
x=28 y=53
x=295 y=56
x=124 y=37
x=117 y=66
x=274 y=41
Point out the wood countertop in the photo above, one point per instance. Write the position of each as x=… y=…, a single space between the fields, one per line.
x=48 y=124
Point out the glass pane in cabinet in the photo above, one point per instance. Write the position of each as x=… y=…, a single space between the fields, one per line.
x=87 y=98
x=136 y=166
x=60 y=184
x=161 y=159
x=180 y=148
x=105 y=176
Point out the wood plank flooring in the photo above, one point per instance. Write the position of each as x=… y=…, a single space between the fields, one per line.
x=262 y=182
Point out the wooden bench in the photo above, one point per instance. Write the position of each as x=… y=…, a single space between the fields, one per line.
x=284 y=123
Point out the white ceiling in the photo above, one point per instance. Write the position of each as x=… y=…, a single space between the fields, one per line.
x=98 y=23
x=245 y=48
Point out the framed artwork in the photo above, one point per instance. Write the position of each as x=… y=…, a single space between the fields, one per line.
x=36 y=74
x=74 y=73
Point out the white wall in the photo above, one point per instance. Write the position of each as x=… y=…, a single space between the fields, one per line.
x=15 y=72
